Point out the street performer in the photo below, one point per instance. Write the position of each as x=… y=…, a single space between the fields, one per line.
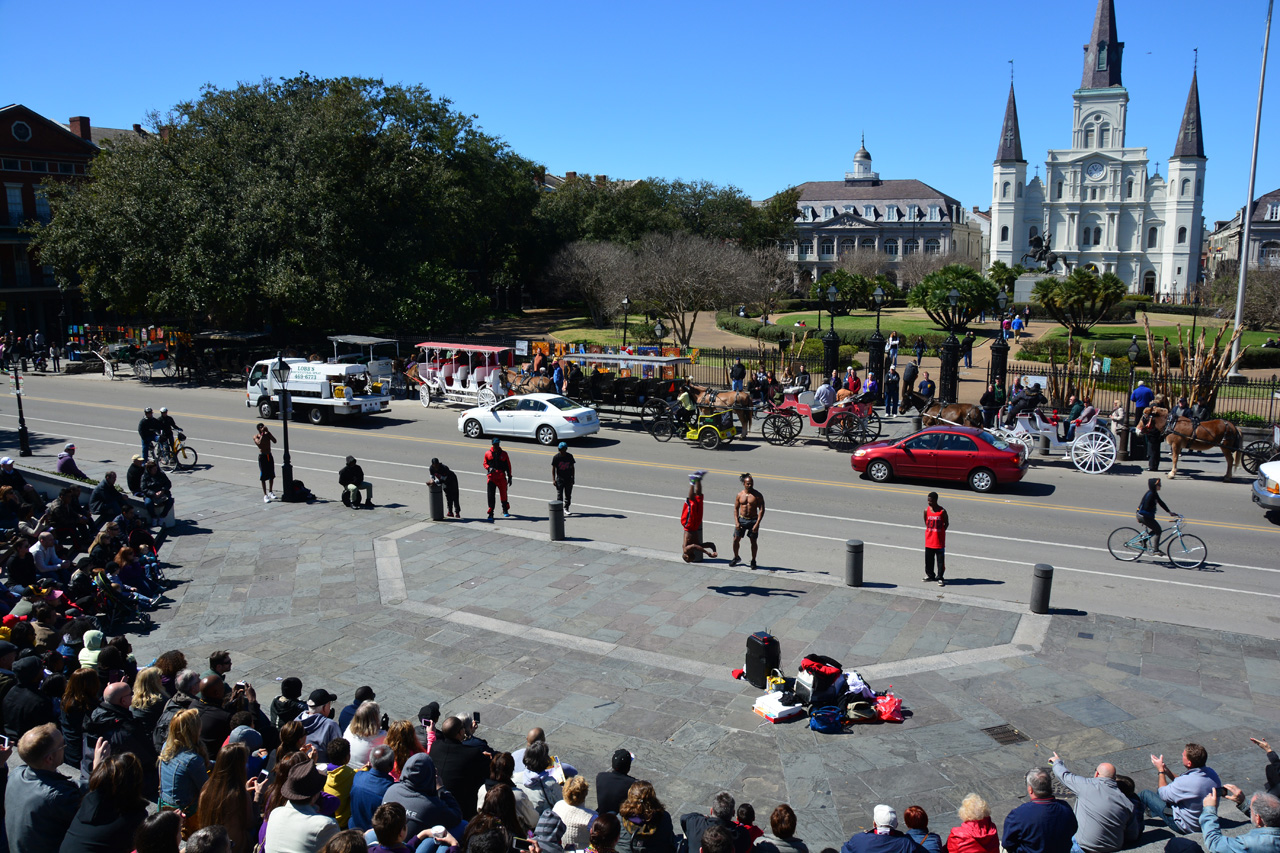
x=497 y=466
x=748 y=512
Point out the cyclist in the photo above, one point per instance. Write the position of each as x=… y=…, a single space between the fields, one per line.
x=1146 y=513
x=165 y=428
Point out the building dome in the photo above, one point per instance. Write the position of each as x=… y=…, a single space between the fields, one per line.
x=863 y=153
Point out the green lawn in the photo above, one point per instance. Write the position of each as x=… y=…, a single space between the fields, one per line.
x=907 y=326
x=1124 y=333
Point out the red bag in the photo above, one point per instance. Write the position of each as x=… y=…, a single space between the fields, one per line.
x=889 y=707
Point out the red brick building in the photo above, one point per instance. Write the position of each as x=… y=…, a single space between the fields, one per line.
x=32 y=148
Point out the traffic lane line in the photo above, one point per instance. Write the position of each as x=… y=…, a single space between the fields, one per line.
x=546 y=454
x=580 y=488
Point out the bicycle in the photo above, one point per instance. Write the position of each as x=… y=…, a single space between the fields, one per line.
x=177 y=457
x=1184 y=550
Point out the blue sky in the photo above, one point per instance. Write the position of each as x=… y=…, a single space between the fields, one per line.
x=753 y=94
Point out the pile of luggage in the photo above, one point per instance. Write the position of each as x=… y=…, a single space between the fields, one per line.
x=832 y=697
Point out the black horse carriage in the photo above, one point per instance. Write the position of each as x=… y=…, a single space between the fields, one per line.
x=627 y=386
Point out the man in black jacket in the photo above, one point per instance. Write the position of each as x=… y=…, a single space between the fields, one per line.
x=148 y=429
x=105 y=502
x=722 y=813
x=25 y=707
x=156 y=490
x=463 y=766
x=114 y=722
x=351 y=478
x=612 y=785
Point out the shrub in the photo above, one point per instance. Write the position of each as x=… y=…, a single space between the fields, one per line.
x=813 y=350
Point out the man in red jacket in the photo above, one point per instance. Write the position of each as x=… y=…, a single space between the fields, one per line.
x=497 y=466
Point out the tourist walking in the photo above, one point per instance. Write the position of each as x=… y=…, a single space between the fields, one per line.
x=497 y=466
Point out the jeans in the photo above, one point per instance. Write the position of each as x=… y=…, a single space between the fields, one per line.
x=564 y=492
x=1157 y=807
x=146 y=449
x=968 y=358
x=737 y=384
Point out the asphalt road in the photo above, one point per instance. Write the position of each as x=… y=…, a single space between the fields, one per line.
x=630 y=488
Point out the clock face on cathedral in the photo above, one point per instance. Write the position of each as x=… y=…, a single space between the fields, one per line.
x=1094 y=171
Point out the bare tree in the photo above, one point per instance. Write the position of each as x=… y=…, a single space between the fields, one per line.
x=775 y=282
x=682 y=275
x=598 y=273
x=864 y=262
x=914 y=267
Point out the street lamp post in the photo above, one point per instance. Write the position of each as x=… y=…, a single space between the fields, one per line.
x=1195 y=307
x=998 y=369
x=1122 y=453
x=24 y=438
x=949 y=379
x=831 y=341
x=659 y=330
x=875 y=343
x=281 y=371
x=626 y=313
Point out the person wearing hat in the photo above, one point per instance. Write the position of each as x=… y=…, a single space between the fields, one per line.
x=448 y=480
x=612 y=785
x=10 y=476
x=317 y=722
x=497 y=466
x=148 y=428
x=428 y=715
x=25 y=707
x=884 y=836
x=562 y=476
x=133 y=475
x=67 y=466
x=166 y=427
x=352 y=480
x=286 y=707
x=297 y=825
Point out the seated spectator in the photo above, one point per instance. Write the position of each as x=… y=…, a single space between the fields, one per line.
x=612 y=785
x=976 y=833
x=12 y=477
x=67 y=466
x=577 y=819
x=1103 y=812
x=501 y=768
x=79 y=698
x=211 y=839
x=185 y=685
x=403 y=740
x=428 y=716
x=159 y=833
x=288 y=705
x=49 y=563
x=24 y=706
x=500 y=803
x=917 y=821
x=716 y=839
x=1179 y=799
x=1263 y=812
x=215 y=720
x=537 y=781
x=339 y=774
x=148 y=699
x=425 y=806
x=105 y=501
x=244 y=732
x=226 y=799
x=462 y=766
x=113 y=721
x=883 y=837
x=364 y=733
x=781 y=837
x=1043 y=824
x=369 y=786
x=363 y=694
x=646 y=824
x=183 y=765
x=722 y=812
x=317 y=722
x=349 y=841
x=391 y=828
x=604 y=834
x=157 y=490
x=297 y=824
x=111 y=811
x=745 y=820
x=39 y=802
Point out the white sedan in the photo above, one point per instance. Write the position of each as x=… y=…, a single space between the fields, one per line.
x=549 y=418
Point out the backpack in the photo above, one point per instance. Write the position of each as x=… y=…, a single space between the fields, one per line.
x=828 y=720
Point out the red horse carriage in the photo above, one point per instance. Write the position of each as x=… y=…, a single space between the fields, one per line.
x=846 y=425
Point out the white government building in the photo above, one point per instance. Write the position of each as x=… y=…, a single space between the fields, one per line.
x=1099 y=201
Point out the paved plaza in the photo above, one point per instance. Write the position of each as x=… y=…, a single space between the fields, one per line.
x=606 y=646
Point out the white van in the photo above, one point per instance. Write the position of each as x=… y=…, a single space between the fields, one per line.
x=317 y=390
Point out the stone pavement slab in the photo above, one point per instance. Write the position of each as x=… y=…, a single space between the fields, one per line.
x=608 y=647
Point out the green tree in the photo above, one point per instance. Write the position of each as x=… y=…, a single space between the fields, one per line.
x=1081 y=299
x=1004 y=276
x=323 y=203
x=934 y=291
x=853 y=290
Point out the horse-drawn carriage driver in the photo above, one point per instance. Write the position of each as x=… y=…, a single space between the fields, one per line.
x=685 y=407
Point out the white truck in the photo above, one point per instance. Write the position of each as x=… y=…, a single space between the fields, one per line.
x=316 y=390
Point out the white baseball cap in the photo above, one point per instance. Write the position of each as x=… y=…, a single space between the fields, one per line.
x=885 y=816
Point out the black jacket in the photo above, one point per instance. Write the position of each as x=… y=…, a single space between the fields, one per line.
x=611 y=790
x=105 y=501
x=285 y=710
x=351 y=475
x=118 y=726
x=694 y=824
x=148 y=427
x=462 y=768
x=154 y=483
x=100 y=827
x=133 y=478
x=24 y=709
x=215 y=727
x=737 y=372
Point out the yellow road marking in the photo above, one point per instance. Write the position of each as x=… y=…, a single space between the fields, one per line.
x=778 y=478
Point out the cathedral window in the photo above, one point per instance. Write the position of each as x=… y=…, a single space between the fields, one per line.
x=1128 y=188
x=786 y=247
x=931 y=247
x=891 y=247
x=1152 y=237
x=828 y=212
x=910 y=247
x=913 y=212
x=868 y=244
x=1269 y=254
x=1186 y=185
x=1273 y=211
x=1058 y=194
x=1199 y=186
x=1004 y=233
x=806 y=248
x=1102 y=56
x=1149 y=282
x=806 y=213
x=1004 y=190
x=1084 y=237
x=1093 y=193
x=935 y=213
x=1104 y=137
x=1019 y=189
x=848 y=208
x=1097 y=236
x=1088 y=136
x=846 y=246
x=890 y=213
x=1182 y=235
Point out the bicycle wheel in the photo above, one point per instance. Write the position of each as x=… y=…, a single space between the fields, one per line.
x=186 y=458
x=662 y=428
x=1186 y=551
x=1123 y=545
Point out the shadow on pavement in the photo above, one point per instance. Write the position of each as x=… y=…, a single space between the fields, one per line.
x=764 y=592
x=972 y=582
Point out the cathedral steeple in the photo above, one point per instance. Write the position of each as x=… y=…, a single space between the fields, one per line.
x=1190 y=138
x=1102 y=53
x=1010 y=147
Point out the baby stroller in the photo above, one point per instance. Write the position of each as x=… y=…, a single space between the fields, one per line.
x=117 y=609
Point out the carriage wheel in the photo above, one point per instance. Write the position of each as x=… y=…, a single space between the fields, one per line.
x=424 y=396
x=709 y=438
x=874 y=427
x=1256 y=454
x=168 y=368
x=846 y=433
x=108 y=370
x=653 y=410
x=486 y=397
x=1094 y=452
x=662 y=428
x=776 y=429
x=142 y=369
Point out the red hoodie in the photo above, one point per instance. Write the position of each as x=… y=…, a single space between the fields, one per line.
x=974 y=836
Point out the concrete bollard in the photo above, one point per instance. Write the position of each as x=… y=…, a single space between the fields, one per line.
x=853 y=562
x=917 y=423
x=555 y=513
x=1122 y=443
x=436 y=501
x=1041 y=586
x=1044 y=445
x=696 y=536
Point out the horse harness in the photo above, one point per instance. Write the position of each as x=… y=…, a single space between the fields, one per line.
x=1171 y=428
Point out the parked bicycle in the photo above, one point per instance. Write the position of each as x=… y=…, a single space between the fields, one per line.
x=175 y=457
x=1184 y=550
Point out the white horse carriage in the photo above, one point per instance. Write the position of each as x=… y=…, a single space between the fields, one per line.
x=1091 y=447
x=468 y=374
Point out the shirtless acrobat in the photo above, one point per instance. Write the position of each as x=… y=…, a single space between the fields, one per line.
x=748 y=512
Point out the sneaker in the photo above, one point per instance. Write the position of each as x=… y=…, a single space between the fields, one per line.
x=266 y=499
x=736 y=561
x=941 y=582
x=928 y=579
x=567 y=513
x=272 y=495
x=753 y=565
x=489 y=518
x=506 y=514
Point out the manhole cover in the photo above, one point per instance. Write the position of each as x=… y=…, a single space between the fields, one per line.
x=1006 y=734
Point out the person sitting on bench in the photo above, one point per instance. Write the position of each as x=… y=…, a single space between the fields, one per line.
x=823 y=399
x=1023 y=401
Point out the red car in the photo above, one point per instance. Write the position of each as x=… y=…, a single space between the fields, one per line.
x=944 y=453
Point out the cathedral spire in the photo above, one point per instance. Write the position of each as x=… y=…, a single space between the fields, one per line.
x=1010 y=148
x=1102 y=53
x=1190 y=139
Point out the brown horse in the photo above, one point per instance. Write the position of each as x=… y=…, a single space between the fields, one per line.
x=1185 y=435
x=739 y=401
x=934 y=413
x=521 y=384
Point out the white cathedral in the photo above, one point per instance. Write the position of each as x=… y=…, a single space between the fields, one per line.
x=1098 y=203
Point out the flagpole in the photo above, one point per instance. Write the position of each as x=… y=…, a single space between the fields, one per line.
x=1248 y=206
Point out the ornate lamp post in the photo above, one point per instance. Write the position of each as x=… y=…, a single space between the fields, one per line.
x=950 y=378
x=24 y=438
x=831 y=341
x=1122 y=452
x=875 y=343
x=998 y=369
x=281 y=373
x=659 y=330
x=626 y=313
